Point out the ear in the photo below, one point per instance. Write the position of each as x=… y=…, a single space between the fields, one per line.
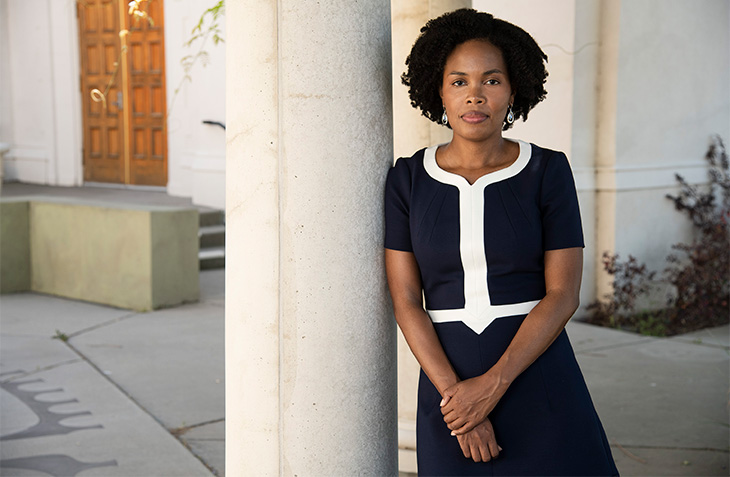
x=512 y=97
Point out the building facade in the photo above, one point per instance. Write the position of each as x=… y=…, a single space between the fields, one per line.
x=635 y=91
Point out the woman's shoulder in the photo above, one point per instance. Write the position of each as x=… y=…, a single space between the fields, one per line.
x=412 y=161
x=545 y=161
x=544 y=155
x=406 y=168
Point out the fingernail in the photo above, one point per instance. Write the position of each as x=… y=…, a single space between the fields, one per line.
x=500 y=448
x=453 y=433
x=442 y=403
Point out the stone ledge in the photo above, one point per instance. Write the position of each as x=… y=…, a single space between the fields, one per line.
x=129 y=256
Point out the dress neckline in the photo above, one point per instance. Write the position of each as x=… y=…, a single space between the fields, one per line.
x=442 y=175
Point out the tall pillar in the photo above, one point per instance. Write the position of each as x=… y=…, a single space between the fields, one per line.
x=411 y=132
x=607 y=108
x=310 y=340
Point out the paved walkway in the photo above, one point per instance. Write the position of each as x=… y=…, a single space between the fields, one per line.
x=141 y=394
x=146 y=390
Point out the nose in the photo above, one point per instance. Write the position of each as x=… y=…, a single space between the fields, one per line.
x=475 y=96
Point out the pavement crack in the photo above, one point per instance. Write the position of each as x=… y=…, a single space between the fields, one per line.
x=101 y=325
x=699 y=342
x=25 y=374
x=135 y=401
x=178 y=431
x=614 y=346
x=673 y=448
x=112 y=382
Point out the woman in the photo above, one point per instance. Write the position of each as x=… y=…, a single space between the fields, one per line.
x=488 y=231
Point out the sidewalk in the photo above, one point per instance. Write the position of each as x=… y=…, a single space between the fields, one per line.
x=663 y=401
x=144 y=392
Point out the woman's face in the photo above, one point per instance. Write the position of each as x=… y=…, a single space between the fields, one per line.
x=475 y=90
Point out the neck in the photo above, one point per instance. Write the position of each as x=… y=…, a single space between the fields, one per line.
x=466 y=154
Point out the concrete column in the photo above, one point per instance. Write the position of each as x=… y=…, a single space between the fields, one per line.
x=608 y=60
x=310 y=340
x=411 y=132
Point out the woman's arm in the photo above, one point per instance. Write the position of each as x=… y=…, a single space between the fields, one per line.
x=404 y=281
x=469 y=402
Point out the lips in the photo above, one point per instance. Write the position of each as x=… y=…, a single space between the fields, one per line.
x=474 y=117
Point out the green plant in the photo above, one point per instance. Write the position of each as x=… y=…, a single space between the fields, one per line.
x=208 y=27
x=651 y=323
x=60 y=336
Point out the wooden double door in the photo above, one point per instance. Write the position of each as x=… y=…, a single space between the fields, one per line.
x=125 y=135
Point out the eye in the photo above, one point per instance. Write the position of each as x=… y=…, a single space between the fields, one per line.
x=492 y=81
x=458 y=82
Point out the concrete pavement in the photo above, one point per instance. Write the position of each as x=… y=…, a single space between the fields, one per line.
x=663 y=401
x=148 y=387
x=145 y=391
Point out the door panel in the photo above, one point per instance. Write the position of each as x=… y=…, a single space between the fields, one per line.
x=99 y=44
x=147 y=88
x=123 y=146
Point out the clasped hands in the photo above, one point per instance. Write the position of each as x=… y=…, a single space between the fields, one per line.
x=465 y=407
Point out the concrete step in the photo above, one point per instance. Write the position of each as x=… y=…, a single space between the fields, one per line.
x=212 y=239
x=212 y=217
x=212 y=236
x=212 y=257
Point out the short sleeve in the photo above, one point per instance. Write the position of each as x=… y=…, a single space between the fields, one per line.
x=561 y=223
x=397 y=207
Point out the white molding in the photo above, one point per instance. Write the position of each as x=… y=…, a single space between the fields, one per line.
x=638 y=177
x=26 y=164
x=27 y=153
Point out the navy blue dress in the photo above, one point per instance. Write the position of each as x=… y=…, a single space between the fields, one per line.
x=480 y=252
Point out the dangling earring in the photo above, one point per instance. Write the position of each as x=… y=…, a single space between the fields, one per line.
x=510 y=115
x=444 y=118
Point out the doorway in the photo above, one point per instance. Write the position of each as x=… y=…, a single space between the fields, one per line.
x=125 y=139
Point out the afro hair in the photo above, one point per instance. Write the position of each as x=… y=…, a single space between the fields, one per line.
x=524 y=59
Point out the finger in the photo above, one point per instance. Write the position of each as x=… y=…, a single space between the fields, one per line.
x=493 y=447
x=448 y=406
x=476 y=454
x=464 y=449
x=445 y=399
x=450 y=417
x=454 y=425
x=486 y=456
x=460 y=427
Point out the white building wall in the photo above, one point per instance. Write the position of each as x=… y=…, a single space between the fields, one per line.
x=6 y=117
x=196 y=152
x=41 y=118
x=674 y=93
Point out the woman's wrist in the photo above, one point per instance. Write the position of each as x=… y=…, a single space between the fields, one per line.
x=496 y=381
x=446 y=383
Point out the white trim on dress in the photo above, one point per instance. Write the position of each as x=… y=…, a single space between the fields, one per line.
x=478 y=312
